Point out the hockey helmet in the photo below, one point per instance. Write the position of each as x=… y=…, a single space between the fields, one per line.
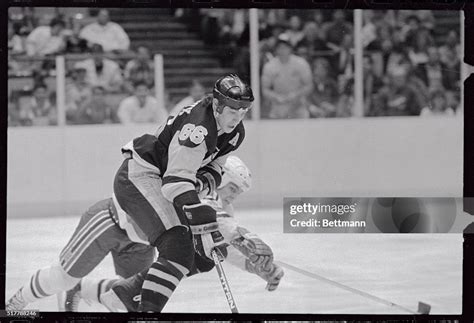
x=231 y=91
x=235 y=171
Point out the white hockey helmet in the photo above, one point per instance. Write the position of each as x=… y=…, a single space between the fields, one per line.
x=235 y=171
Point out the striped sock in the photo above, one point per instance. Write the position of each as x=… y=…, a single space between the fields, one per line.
x=91 y=289
x=161 y=280
x=33 y=290
x=48 y=281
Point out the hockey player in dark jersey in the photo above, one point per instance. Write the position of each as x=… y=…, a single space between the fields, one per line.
x=155 y=185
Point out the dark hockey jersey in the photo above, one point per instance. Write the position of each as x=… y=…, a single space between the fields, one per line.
x=185 y=143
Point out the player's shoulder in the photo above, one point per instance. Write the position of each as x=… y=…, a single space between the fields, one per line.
x=199 y=113
x=197 y=123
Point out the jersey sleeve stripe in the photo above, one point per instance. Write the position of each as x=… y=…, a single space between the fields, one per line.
x=176 y=179
x=172 y=190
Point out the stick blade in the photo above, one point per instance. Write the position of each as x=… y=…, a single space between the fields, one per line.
x=424 y=308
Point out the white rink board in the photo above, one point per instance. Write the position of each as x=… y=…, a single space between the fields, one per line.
x=403 y=269
x=397 y=156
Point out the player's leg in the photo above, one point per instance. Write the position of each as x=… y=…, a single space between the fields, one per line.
x=130 y=259
x=138 y=192
x=93 y=252
x=176 y=253
x=45 y=282
x=152 y=286
x=125 y=294
x=86 y=248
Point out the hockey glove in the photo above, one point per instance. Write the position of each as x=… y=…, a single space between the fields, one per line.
x=205 y=183
x=258 y=252
x=203 y=225
x=272 y=276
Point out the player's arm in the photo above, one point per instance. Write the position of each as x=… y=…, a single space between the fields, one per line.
x=209 y=177
x=186 y=152
x=249 y=252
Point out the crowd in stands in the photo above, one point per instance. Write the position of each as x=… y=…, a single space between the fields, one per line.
x=408 y=64
x=99 y=89
x=307 y=64
x=306 y=58
x=64 y=34
x=410 y=69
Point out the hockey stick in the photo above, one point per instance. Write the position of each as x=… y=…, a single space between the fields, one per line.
x=224 y=282
x=423 y=308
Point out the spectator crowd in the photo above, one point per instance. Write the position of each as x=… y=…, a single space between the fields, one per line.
x=410 y=66
x=99 y=89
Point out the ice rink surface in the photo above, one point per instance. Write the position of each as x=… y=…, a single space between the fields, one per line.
x=403 y=269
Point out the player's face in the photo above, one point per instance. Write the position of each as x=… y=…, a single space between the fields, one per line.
x=229 y=118
x=229 y=192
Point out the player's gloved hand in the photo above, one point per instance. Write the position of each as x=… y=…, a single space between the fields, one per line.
x=205 y=183
x=272 y=276
x=205 y=230
x=258 y=252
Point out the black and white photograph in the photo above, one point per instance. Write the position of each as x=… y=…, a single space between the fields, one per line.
x=179 y=160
